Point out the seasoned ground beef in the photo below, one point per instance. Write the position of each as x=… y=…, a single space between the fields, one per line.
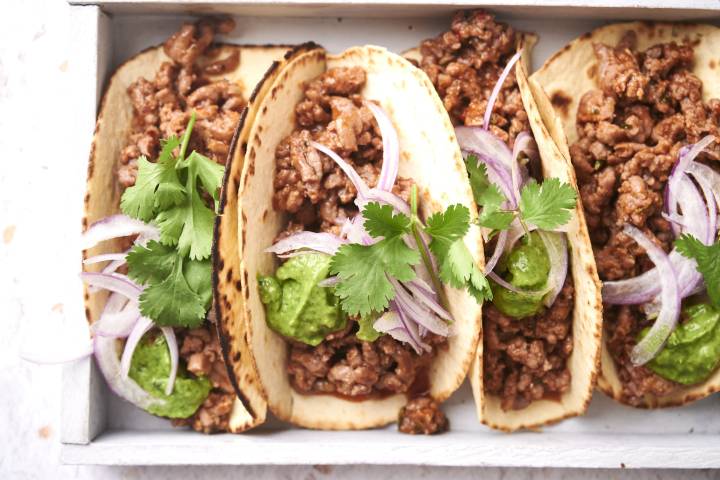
x=200 y=349
x=162 y=105
x=647 y=107
x=161 y=109
x=318 y=196
x=524 y=359
x=422 y=416
x=465 y=63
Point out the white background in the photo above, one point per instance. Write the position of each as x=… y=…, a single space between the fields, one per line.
x=41 y=190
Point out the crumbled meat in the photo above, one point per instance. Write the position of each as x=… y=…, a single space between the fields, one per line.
x=342 y=364
x=648 y=107
x=422 y=416
x=200 y=349
x=465 y=63
x=308 y=184
x=526 y=359
x=162 y=106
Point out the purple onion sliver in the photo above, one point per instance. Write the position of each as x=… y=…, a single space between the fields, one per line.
x=142 y=326
x=428 y=300
x=113 y=282
x=389 y=198
x=318 y=241
x=358 y=182
x=663 y=326
x=115 y=226
x=557 y=249
x=172 y=344
x=497 y=253
x=497 y=88
x=391 y=147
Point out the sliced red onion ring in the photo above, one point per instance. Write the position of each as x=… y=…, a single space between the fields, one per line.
x=116 y=226
x=355 y=178
x=497 y=253
x=106 y=257
x=524 y=143
x=675 y=218
x=58 y=358
x=557 y=249
x=320 y=242
x=142 y=326
x=381 y=196
x=712 y=210
x=410 y=328
x=653 y=342
x=497 y=88
x=418 y=312
x=509 y=286
x=428 y=300
x=119 y=324
x=115 y=303
x=113 y=282
x=172 y=345
x=391 y=147
x=106 y=356
x=711 y=177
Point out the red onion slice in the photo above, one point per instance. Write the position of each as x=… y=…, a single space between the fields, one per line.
x=497 y=253
x=355 y=178
x=428 y=300
x=119 y=324
x=653 y=342
x=142 y=326
x=389 y=198
x=497 y=88
x=106 y=356
x=391 y=147
x=418 y=312
x=172 y=345
x=711 y=204
x=711 y=177
x=116 y=226
x=524 y=143
x=557 y=250
x=113 y=282
x=106 y=257
x=509 y=286
x=320 y=242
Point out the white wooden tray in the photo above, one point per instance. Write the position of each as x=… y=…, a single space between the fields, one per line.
x=99 y=428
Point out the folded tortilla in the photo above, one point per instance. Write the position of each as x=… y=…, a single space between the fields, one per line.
x=587 y=311
x=429 y=154
x=113 y=128
x=571 y=72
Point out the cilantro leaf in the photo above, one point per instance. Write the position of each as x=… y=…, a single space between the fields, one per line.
x=364 y=271
x=172 y=302
x=157 y=185
x=487 y=196
x=367 y=332
x=708 y=263
x=380 y=221
x=151 y=263
x=209 y=172
x=198 y=274
x=455 y=263
x=547 y=205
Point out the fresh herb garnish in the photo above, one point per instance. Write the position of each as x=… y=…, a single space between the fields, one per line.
x=708 y=263
x=547 y=205
x=366 y=271
x=176 y=270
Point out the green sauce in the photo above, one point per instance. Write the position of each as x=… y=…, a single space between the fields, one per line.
x=692 y=352
x=296 y=307
x=150 y=368
x=527 y=267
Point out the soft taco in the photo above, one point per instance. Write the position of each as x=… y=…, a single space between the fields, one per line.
x=538 y=359
x=637 y=104
x=162 y=136
x=358 y=265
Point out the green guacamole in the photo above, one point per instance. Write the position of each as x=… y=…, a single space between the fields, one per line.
x=150 y=368
x=692 y=352
x=527 y=267
x=296 y=307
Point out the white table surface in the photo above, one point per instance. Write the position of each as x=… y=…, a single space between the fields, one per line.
x=41 y=190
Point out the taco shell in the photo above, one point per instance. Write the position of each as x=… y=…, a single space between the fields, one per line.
x=428 y=146
x=571 y=72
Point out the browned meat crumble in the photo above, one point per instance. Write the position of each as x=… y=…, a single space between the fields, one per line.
x=422 y=416
x=161 y=109
x=647 y=107
x=524 y=359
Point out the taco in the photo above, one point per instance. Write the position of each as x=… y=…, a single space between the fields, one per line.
x=358 y=263
x=538 y=359
x=162 y=136
x=638 y=106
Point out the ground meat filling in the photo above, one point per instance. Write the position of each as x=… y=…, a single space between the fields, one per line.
x=422 y=416
x=524 y=359
x=465 y=63
x=161 y=109
x=648 y=106
x=318 y=196
x=162 y=105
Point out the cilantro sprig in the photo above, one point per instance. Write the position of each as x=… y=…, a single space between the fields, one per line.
x=708 y=263
x=366 y=271
x=547 y=205
x=173 y=193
